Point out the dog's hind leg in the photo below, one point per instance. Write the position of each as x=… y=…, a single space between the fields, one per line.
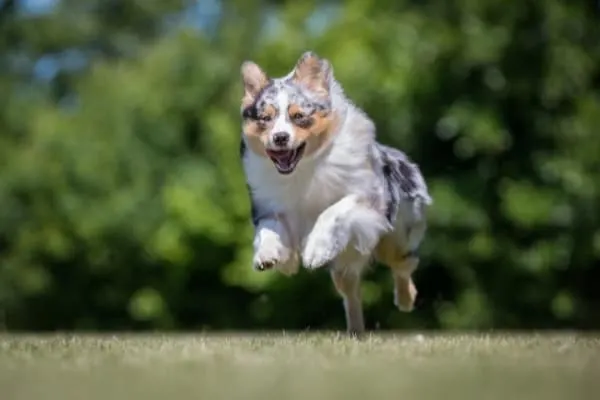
x=397 y=250
x=346 y=274
x=405 y=291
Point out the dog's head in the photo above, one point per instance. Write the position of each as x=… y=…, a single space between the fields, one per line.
x=286 y=119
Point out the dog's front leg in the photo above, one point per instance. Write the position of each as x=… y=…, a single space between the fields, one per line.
x=346 y=272
x=273 y=247
x=351 y=220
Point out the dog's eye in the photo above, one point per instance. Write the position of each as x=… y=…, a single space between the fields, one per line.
x=265 y=118
x=297 y=116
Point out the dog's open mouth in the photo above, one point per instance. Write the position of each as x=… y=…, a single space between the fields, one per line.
x=286 y=160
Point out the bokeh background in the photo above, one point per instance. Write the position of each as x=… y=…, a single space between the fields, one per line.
x=123 y=203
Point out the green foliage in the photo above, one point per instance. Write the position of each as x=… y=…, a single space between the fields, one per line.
x=123 y=203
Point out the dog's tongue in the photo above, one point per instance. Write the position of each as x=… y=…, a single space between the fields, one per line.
x=283 y=158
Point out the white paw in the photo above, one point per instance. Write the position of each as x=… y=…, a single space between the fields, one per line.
x=269 y=251
x=320 y=248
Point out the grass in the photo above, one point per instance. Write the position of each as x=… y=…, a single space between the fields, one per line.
x=299 y=366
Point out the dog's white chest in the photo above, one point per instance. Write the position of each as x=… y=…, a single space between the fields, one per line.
x=309 y=198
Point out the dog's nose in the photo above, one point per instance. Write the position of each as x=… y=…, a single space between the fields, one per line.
x=281 y=138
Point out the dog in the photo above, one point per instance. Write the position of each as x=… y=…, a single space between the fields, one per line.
x=323 y=191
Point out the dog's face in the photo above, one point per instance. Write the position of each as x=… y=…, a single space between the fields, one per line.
x=289 y=118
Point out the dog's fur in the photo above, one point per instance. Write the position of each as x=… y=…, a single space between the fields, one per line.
x=346 y=201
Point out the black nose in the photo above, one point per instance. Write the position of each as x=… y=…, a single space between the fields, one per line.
x=281 y=138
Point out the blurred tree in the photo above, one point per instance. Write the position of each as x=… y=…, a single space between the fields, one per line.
x=123 y=202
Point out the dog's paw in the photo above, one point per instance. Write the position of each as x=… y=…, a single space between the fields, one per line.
x=320 y=249
x=405 y=294
x=270 y=252
x=326 y=241
x=263 y=265
x=269 y=257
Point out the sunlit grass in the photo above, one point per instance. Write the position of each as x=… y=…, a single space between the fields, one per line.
x=299 y=366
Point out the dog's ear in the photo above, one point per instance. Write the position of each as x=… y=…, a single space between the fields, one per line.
x=313 y=72
x=254 y=79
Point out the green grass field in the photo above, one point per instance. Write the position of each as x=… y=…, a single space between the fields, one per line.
x=300 y=366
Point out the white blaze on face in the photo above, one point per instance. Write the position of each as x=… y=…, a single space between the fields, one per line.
x=282 y=122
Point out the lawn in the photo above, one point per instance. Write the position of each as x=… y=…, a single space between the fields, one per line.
x=299 y=366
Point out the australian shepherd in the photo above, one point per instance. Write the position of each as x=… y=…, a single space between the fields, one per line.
x=323 y=191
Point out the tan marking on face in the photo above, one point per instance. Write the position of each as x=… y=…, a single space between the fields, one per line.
x=257 y=132
x=257 y=145
x=315 y=134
